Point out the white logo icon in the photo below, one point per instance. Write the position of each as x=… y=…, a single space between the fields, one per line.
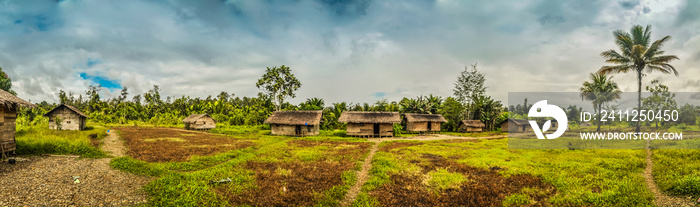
x=542 y=109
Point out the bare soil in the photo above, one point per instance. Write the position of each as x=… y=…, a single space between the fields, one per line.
x=167 y=145
x=48 y=181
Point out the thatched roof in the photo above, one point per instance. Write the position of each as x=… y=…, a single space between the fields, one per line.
x=69 y=107
x=10 y=101
x=194 y=117
x=473 y=123
x=517 y=121
x=370 y=117
x=424 y=118
x=295 y=117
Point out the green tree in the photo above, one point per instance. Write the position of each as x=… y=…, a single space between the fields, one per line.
x=599 y=90
x=452 y=111
x=687 y=114
x=637 y=53
x=279 y=83
x=5 y=82
x=659 y=100
x=487 y=110
x=312 y=104
x=470 y=83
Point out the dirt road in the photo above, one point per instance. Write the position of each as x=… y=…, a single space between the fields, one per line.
x=49 y=181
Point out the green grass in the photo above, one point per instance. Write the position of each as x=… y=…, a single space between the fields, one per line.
x=574 y=173
x=677 y=171
x=475 y=134
x=36 y=140
x=187 y=183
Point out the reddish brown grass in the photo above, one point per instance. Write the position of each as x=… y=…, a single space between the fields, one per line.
x=483 y=188
x=166 y=145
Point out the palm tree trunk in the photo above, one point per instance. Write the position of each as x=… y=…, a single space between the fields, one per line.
x=599 y=117
x=639 y=94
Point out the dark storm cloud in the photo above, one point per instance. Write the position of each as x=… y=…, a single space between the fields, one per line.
x=355 y=51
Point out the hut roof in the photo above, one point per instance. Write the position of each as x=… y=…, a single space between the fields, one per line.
x=369 y=117
x=517 y=121
x=11 y=101
x=194 y=117
x=295 y=117
x=410 y=117
x=473 y=123
x=69 y=107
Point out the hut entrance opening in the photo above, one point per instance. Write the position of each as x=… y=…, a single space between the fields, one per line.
x=297 y=131
x=376 y=130
x=430 y=126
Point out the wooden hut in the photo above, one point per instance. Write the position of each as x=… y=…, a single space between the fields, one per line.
x=370 y=123
x=295 y=123
x=65 y=117
x=515 y=125
x=8 y=114
x=423 y=122
x=471 y=126
x=199 y=122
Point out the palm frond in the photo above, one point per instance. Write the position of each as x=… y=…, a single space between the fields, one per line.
x=615 y=69
x=656 y=47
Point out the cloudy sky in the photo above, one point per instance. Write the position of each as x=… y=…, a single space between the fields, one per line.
x=354 y=51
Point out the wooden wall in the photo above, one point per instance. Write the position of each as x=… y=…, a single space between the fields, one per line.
x=7 y=129
x=201 y=123
x=290 y=130
x=69 y=120
x=471 y=129
x=354 y=129
x=422 y=126
x=513 y=128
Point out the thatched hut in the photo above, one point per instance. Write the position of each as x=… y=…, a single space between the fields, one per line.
x=423 y=122
x=515 y=125
x=199 y=122
x=65 y=117
x=471 y=126
x=8 y=114
x=370 y=123
x=295 y=123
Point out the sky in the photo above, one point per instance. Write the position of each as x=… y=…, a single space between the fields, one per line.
x=354 y=51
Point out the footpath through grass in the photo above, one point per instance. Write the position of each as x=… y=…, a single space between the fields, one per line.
x=276 y=170
x=38 y=139
x=487 y=173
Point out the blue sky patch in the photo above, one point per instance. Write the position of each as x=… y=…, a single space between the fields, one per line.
x=103 y=81
x=379 y=94
x=92 y=62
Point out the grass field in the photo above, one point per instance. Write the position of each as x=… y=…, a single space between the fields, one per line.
x=37 y=140
x=487 y=173
x=271 y=171
x=267 y=170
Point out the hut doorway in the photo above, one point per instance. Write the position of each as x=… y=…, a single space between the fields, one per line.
x=297 y=131
x=430 y=126
x=376 y=130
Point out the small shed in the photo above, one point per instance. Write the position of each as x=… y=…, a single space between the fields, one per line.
x=515 y=125
x=423 y=122
x=9 y=104
x=199 y=122
x=471 y=126
x=370 y=123
x=65 y=117
x=295 y=123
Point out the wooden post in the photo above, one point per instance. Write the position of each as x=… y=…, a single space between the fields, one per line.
x=2 y=115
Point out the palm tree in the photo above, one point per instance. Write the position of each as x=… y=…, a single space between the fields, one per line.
x=638 y=54
x=599 y=90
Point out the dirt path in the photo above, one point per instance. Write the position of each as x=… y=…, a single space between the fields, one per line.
x=49 y=181
x=363 y=174
x=661 y=199
x=113 y=145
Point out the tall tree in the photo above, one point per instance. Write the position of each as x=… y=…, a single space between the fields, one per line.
x=659 y=100
x=637 y=53
x=5 y=82
x=279 y=83
x=470 y=84
x=599 y=90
